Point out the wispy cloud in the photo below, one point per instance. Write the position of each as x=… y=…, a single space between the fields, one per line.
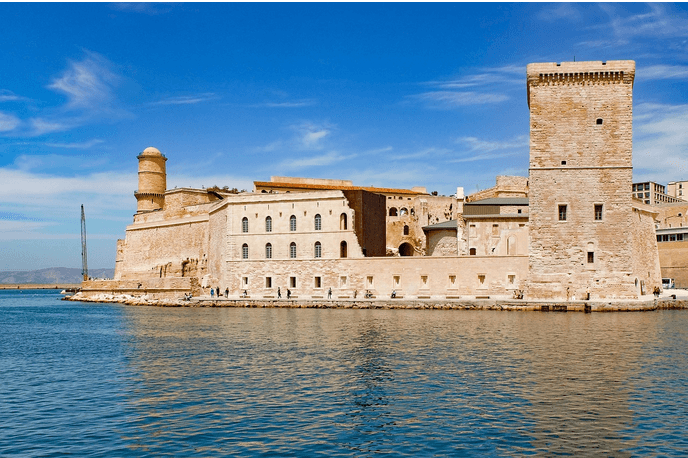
x=424 y=153
x=445 y=100
x=187 y=99
x=88 y=84
x=558 y=12
x=8 y=122
x=484 y=157
x=151 y=9
x=9 y=96
x=269 y=148
x=288 y=104
x=315 y=161
x=660 y=141
x=476 y=144
x=310 y=136
x=661 y=72
x=82 y=145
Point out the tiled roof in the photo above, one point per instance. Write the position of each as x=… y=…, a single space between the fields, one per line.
x=316 y=187
x=500 y=201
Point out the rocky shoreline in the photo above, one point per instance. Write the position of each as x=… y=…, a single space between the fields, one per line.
x=666 y=302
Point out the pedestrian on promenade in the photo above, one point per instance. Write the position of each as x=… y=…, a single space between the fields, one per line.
x=279 y=293
x=329 y=293
x=212 y=292
x=288 y=293
x=226 y=292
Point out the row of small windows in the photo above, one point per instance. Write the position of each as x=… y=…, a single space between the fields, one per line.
x=671 y=238
x=317 y=223
x=317 y=250
x=563 y=212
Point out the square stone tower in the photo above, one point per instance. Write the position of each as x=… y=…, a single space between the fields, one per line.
x=586 y=232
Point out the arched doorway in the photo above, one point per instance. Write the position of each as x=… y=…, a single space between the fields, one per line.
x=406 y=249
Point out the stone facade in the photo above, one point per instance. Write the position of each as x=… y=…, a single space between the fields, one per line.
x=580 y=173
x=569 y=229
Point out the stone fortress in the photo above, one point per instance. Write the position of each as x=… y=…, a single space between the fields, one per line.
x=570 y=230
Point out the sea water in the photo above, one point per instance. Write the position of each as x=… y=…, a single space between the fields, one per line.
x=111 y=380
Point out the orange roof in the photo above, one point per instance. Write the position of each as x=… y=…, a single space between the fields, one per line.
x=316 y=187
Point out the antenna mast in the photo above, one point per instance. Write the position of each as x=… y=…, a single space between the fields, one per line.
x=84 y=262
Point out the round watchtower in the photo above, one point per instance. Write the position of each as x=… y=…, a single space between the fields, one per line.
x=152 y=180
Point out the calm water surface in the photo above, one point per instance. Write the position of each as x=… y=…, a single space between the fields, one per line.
x=109 y=380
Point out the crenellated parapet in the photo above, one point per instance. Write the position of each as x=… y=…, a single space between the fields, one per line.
x=580 y=73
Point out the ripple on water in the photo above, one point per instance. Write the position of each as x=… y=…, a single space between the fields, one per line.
x=107 y=380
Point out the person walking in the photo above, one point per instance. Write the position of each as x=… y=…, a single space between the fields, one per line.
x=288 y=293
x=226 y=292
x=279 y=293
x=212 y=293
x=329 y=293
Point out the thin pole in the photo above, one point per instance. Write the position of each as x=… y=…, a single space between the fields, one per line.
x=84 y=261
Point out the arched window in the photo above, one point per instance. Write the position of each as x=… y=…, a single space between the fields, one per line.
x=244 y=251
x=292 y=223
x=342 y=250
x=292 y=250
x=318 y=250
x=511 y=246
x=318 y=222
x=403 y=212
x=268 y=224
x=342 y=222
x=244 y=224
x=268 y=251
x=393 y=211
x=406 y=230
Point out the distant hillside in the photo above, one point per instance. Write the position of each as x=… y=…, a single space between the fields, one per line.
x=61 y=275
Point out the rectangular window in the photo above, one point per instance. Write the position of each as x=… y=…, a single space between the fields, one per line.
x=679 y=237
x=591 y=257
x=659 y=238
x=292 y=282
x=452 y=281
x=369 y=281
x=672 y=237
x=562 y=212
x=424 y=281
x=647 y=186
x=481 y=279
x=396 y=280
x=495 y=229
x=318 y=282
x=471 y=230
x=268 y=282
x=598 y=212
x=512 y=279
x=244 y=281
x=342 y=282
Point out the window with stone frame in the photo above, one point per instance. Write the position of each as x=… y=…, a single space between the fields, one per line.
x=292 y=250
x=244 y=224
x=562 y=212
x=268 y=224
x=244 y=251
x=292 y=223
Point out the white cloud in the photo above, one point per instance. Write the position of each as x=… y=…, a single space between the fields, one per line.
x=310 y=136
x=187 y=99
x=88 y=84
x=82 y=145
x=476 y=144
x=559 y=12
x=9 y=96
x=8 y=122
x=314 y=161
x=432 y=152
x=654 y=23
x=660 y=148
x=40 y=126
x=484 y=157
x=294 y=104
x=661 y=72
x=451 y=99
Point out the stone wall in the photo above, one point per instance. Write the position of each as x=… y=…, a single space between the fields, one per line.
x=406 y=217
x=408 y=276
x=581 y=151
x=442 y=243
x=497 y=236
x=673 y=258
x=506 y=186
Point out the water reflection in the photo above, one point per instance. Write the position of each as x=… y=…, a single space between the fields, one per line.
x=365 y=382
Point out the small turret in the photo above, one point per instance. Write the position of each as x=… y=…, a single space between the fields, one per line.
x=152 y=180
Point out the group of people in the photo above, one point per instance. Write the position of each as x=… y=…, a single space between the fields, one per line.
x=216 y=291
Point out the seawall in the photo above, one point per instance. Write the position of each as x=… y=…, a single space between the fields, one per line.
x=663 y=303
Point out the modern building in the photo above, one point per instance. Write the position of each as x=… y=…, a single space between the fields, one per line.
x=653 y=193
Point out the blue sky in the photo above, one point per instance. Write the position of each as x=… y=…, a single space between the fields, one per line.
x=393 y=95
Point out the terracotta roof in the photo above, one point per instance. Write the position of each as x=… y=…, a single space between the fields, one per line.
x=316 y=187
